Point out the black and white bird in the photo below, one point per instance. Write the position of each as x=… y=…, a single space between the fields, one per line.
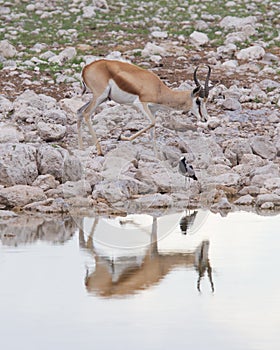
x=186 y=169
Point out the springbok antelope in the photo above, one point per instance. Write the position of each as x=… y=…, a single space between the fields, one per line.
x=126 y=83
x=131 y=274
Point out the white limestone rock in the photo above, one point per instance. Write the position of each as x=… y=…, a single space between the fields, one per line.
x=272 y=184
x=156 y=200
x=40 y=102
x=255 y=52
x=245 y=200
x=231 y=104
x=10 y=133
x=227 y=51
x=51 y=132
x=153 y=49
x=263 y=147
x=229 y=22
x=17 y=164
x=79 y=188
x=89 y=12
x=6 y=106
x=66 y=55
x=58 y=162
x=267 y=198
x=20 y=195
x=199 y=38
x=159 y=34
x=7 y=50
x=46 y=182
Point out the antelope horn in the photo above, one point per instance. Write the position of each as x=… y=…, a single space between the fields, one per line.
x=206 y=86
x=197 y=83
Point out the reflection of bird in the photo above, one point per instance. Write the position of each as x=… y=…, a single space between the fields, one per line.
x=187 y=221
x=186 y=169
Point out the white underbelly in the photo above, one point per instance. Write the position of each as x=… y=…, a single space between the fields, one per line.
x=120 y=96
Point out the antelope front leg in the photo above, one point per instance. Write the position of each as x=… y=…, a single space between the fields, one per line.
x=138 y=133
x=144 y=108
x=79 y=124
x=94 y=137
x=86 y=114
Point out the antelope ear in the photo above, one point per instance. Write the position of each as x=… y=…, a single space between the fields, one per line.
x=196 y=91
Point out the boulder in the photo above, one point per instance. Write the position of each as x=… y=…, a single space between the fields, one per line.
x=6 y=106
x=156 y=200
x=58 y=162
x=237 y=22
x=18 y=164
x=80 y=188
x=227 y=51
x=231 y=104
x=10 y=134
x=70 y=106
x=89 y=12
x=245 y=200
x=251 y=53
x=252 y=190
x=199 y=38
x=272 y=184
x=7 y=50
x=46 y=182
x=26 y=114
x=267 y=198
x=50 y=131
x=115 y=191
x=235 y=149
x=222 y=205
x=20 y=195
x=50 y=205
x=159 y=34
x=40 y=102
x=263 y=147
x=159 y=177
x=66 y=55
x=270 y=169
x=56 y=116
x=153 y=49
x=118 y=163
x=226 y=179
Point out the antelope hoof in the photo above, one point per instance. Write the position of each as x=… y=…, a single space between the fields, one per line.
x=123 y=138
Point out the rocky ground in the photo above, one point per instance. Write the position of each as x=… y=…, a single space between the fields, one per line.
x=235 y=154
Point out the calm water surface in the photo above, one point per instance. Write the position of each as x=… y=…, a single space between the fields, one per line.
x=100 y=284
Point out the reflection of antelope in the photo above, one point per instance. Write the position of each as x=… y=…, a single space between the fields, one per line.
x=129 y=274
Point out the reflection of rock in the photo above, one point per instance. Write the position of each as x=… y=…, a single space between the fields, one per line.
x=25 y=229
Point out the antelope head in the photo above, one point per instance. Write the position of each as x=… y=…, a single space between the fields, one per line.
x=200 y=96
